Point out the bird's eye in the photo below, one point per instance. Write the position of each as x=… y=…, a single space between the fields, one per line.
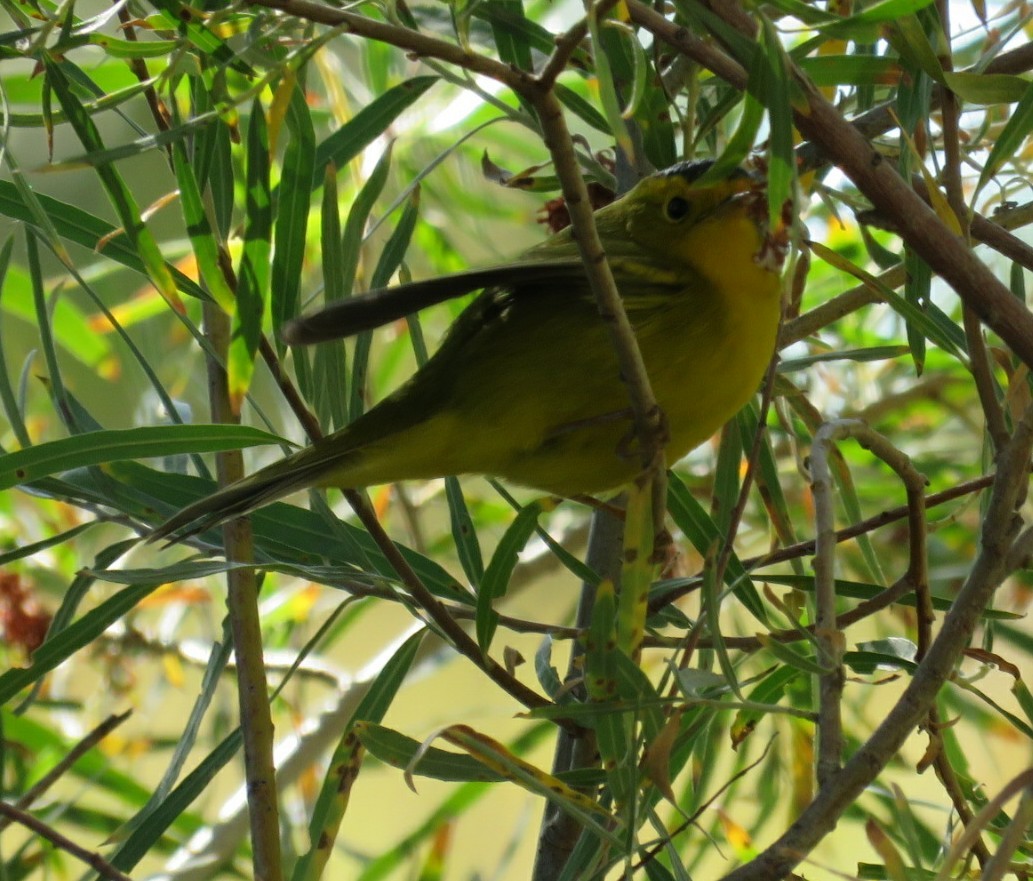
x=677 y=208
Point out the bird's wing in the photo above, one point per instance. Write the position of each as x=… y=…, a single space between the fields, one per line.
x=367 y=311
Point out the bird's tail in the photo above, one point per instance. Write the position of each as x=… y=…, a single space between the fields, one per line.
x=266 y=485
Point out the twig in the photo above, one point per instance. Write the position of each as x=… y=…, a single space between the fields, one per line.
x=1000 y=526
x=648 y=419
x=414 y=42
x=829 y=637
x=159 y=112
x=94 y=860
x=70 y=758
x=965 y=841
x=807 y=548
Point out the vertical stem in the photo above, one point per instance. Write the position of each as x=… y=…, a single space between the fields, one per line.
x=242 y=601
x=826 y=630
x=560 y=831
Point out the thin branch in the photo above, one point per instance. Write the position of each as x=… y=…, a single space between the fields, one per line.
x=566 y=44
x=94 y=860
x=256 y=721
x=807 y=548
x=829 y=637
x=80 y=749
x=1000 y=526
x=415 y=43
x=648 y=419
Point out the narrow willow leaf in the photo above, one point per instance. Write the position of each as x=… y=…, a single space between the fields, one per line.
x=502 y=760
x=182 y=19
x=144 y=144
x=917 y=288
x=494 y=581
x=7 y=394
x=610 y=52
x=390 y=259
x=328 y=389
x=97 y=447
x=325 y=546
x=370 y=123
x=711 y=601
x=53 y=379
x=860 y=356
x=253 y=272
x=117 y=189
x=206 y=249
x=613 y=726
x=701 y=530
x=891 y=10
x=83 y=228
x=769 y=690
x=768 y=480
x=468 y=549
x=851 y=70
x=399 y=751
x=781 y=169
x=37 y=547
x=986 y=88
x=1010 y=139
x=158 y=803
x=865 y=591
x=584 y=110
x=726 y=478
x=331 y=802
x=932 y=322
x=141 y=842
x=785 y=654
x=511 y=39
x=908 y=37
x=297 y=177
x=358 y=216
x=503 y=16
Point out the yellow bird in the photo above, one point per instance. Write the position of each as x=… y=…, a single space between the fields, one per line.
x=526 y=385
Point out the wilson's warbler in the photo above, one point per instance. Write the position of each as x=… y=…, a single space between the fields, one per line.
x=526 y=384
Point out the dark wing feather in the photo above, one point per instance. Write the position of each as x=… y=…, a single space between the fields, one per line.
x=368 y=311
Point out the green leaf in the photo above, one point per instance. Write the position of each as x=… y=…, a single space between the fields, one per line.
x=117 y=189
x=701 y=530
x=323 y=549
x=398 y=750
x=253 y=273
x=1007 y=143
x=97 y=447
x=390 y=259
x=370 y=123
x=986 y=88
x=328 y=388
x=464 y=534
x=297 y=178
x=202 y=238
x=328 y=811
x=851 y=70
x=143 y=838
x=496 y=577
